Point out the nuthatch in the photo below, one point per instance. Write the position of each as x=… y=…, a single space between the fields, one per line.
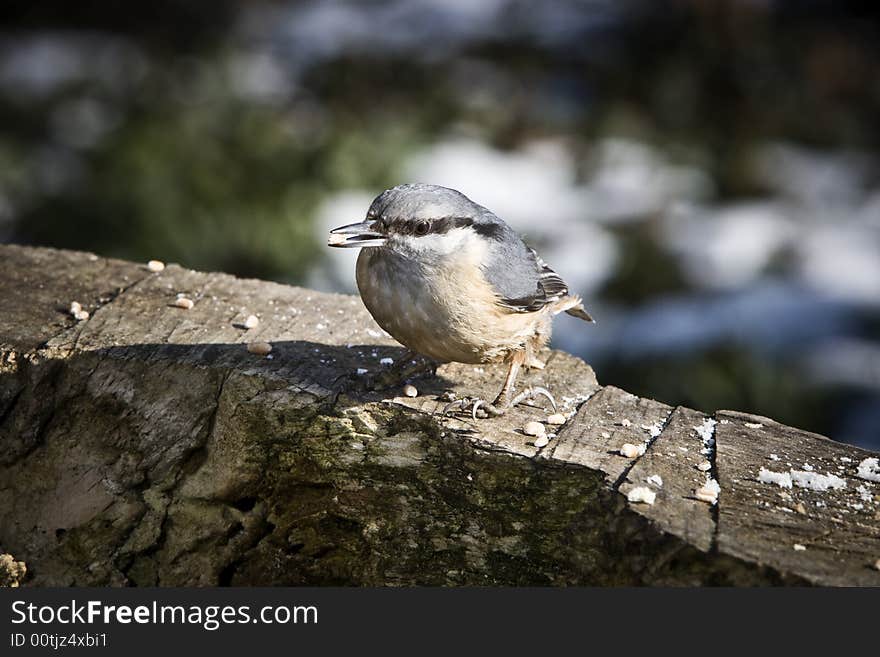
x=450 y=280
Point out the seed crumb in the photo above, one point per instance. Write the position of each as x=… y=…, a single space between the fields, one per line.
x=155 y=266
x=708 y=492
x=252 y=321
x=705 y=495
x=259 y=348
x=541 y=441
x=631 y=451
x=534 y=429
x=410 y=390
x=556 y=419
x=641 y=494
x=183 y=302
x=799 y=548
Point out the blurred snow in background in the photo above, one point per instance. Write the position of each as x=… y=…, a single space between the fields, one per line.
x=709 y=202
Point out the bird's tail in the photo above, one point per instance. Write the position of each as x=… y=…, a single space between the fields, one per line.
x=577 y=310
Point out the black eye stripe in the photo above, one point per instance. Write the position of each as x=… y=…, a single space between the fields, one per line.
x=436 y=226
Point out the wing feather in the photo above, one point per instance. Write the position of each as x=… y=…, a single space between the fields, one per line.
x=521 y=280
x=548 y=287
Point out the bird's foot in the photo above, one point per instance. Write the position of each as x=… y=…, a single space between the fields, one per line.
x=531 y=393
x=480 y=408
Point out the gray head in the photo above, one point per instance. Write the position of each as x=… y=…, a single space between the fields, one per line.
x=420 y=219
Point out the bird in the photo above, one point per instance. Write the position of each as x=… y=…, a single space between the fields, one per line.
x=450 y=280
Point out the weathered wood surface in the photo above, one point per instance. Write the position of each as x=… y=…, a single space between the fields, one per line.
x=146 y=446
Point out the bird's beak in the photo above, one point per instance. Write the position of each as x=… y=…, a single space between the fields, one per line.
x=355 y=235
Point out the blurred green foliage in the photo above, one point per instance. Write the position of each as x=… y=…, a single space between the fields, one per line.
x=170 y=159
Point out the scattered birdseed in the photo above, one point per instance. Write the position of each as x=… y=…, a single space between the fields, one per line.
x=556 y=419
x=704 y=466
x=75 y=307
x=774 y=457
x=252 y=321
x=81 y=315
x=641 y=494
x=625 y=423
x=808 y=467
x=361 y=371
x=534 y=429
x=708 y=492
x=386 y=361
x=869 y=469
x=655 y=479
x=799 y=548
x=259 y=348
x=410 y=390
x=705 y=495
x=631 y=451
x=605 y=434
x=846 y=459
x=155 y=265
x=183 y=302
x=541 y=441
x=754 y=425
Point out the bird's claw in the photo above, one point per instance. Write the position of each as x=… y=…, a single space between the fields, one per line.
x=481 y=408
x=531 y=393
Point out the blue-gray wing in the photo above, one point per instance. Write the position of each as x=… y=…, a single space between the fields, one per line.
x=523 y=282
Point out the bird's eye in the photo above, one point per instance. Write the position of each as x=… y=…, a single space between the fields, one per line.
x=422 y=228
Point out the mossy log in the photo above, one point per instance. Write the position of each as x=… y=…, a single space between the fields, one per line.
x=147 y=446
